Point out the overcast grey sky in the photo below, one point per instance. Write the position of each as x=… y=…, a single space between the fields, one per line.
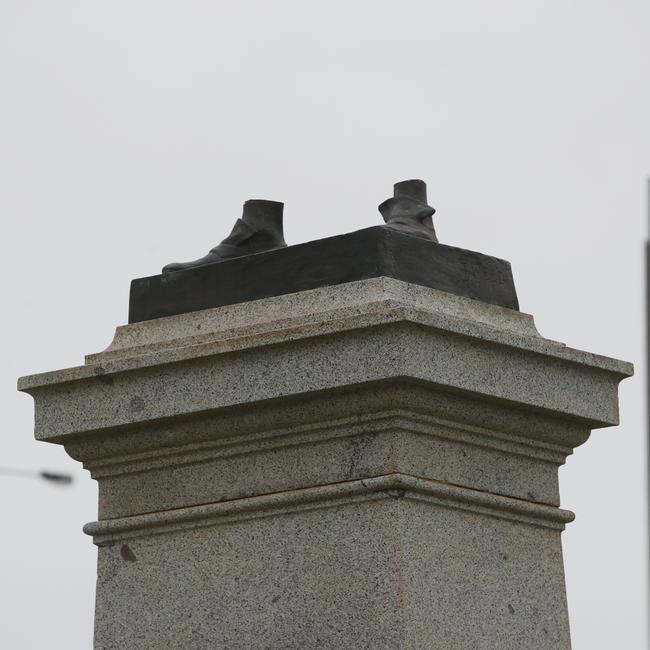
x=132 y=131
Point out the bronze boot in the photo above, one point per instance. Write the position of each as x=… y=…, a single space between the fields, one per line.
x=258 y=230
x=408 y=211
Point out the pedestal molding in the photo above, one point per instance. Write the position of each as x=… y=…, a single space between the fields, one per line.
x=395 y=308
x=397 y=421
x=391 y=486
x=323 y=304
x=391 y=352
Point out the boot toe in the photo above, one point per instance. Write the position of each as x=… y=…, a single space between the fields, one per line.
x=210 y=258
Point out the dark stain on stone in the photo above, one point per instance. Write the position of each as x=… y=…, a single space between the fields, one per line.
x=511 y=609
x=357 y=447
x=127 y=554
x=136 y=403
x=100 y=373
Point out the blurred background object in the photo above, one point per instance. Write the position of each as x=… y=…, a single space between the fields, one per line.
x=52 y=477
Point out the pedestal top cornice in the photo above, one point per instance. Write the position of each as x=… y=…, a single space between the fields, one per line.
x=346 y=307
x=367 y=331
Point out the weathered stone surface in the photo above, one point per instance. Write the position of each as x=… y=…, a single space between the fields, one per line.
x=400 y=564
x=406 y=331
x=372 y=464
x=374 y=252
x=330 y=437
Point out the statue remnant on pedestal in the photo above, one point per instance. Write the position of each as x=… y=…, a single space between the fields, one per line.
x=348 y=443
x=408 y=210
x=254 y=262
x=258 y=230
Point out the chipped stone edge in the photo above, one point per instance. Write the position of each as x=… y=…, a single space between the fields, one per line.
x=390 y=486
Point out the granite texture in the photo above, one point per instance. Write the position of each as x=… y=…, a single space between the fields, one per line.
x=387 y=569
x=283 y=314
x=407 y=331
x=370 y=465
x=381 y=433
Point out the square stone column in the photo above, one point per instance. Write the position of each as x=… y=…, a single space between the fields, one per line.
x=367 y=465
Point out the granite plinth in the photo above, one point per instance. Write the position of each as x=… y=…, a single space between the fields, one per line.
x=372 y=464
x=369 y=253
x=382 y=564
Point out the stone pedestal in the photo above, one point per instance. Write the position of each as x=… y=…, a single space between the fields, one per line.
x=370 y=465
